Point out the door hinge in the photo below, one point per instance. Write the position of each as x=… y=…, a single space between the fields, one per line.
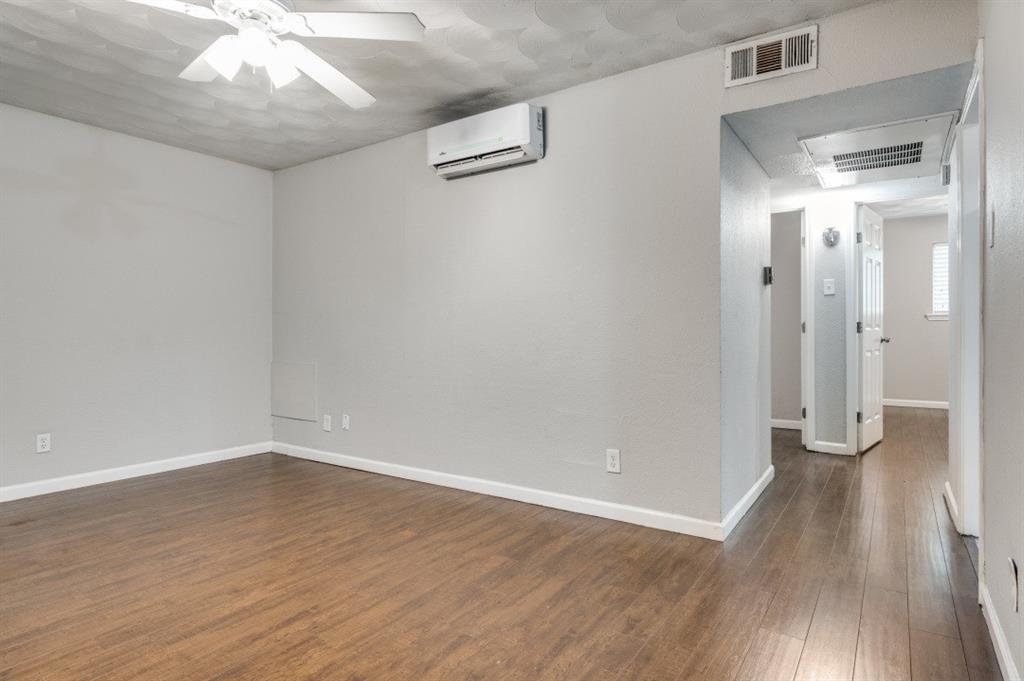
x=803 y=241
x=767 y=275
x=860 y=237
x=803 y=327
x=803 y=412
x=860 y=327
x=860 y=417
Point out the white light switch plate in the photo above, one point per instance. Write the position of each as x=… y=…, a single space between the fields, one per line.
x=829 y=287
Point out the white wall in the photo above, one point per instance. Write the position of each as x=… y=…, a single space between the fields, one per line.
x=746 y=320
x=917 y=359
x=1002 y=26
x=513 y=326
x=786 y=320
x=135 y=282
x=829 y=319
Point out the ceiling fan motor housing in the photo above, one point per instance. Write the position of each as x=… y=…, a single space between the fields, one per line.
x=273 y=14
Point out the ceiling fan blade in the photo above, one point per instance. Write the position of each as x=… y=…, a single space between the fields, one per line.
x=181 y=7
x=222 y=56
x=325 y=74
x=364 y=25
x=199 y=71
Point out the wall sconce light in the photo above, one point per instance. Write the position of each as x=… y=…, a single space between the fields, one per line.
x=830 y=236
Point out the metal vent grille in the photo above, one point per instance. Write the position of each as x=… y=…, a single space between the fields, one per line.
x=743 y=63
x=772 y=56
x=798 y=50
x=882 y=157
x=769 y=57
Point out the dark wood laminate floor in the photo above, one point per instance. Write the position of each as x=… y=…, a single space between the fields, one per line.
x=274 y=568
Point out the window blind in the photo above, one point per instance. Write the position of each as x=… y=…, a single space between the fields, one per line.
x=940 y=278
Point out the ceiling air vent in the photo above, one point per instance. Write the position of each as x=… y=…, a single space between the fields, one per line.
x=882 y=157
x=903 y=149
x=771 y=56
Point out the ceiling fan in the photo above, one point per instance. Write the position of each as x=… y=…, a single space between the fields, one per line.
x=258 y=43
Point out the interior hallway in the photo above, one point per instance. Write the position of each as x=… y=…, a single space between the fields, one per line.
x=274 y=568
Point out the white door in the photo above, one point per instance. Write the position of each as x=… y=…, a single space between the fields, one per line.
x=869 y=336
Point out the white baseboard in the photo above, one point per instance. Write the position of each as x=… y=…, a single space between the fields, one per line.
x=999 y=641
x=603 y=509
x=31 y=489
x=954 y=510
x=787 y=424
x=733 y=517
x=829 y=448
x=916 y=404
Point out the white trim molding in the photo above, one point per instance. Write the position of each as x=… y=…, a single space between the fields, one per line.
x=733 y=517
x=787 y=424
x=823 y=447
x=916 y=404
x=37 y=487
x=636 y=515
x=954 y=510
x=999 y=641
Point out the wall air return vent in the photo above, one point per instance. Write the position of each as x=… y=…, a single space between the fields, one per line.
x=903 y=149
x=767 y=57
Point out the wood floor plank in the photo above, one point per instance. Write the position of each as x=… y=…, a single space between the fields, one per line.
x=274 y=568
x=936 y=658
x=883 y=647
x=831 y=646
x=771 y=656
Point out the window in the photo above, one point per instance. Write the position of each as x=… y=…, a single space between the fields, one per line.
x=940 y=281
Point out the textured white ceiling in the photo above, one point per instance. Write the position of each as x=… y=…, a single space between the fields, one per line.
x=114 y=64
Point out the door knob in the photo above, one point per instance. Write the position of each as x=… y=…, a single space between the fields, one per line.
x=886 y=339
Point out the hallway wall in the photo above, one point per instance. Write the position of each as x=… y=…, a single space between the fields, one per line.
x=1002 y=27
x=746 y=320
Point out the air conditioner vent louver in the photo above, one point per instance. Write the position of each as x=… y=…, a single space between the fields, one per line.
x=776 y=55
x=799 y=50
x=769 y=57
x=743 y=63
x=882 y=157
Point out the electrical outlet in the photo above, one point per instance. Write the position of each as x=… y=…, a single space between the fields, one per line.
x=42 y=443
x=612 y=462
x=344 y=422
x=327 y=423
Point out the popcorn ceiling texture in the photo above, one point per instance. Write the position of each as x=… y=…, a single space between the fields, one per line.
x=114 y=64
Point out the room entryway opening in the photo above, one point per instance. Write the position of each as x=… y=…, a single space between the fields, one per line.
x=872 y=267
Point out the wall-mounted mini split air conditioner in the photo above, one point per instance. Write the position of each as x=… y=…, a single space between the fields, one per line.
x=495 y=139
x=917 y=147
x=778 y=54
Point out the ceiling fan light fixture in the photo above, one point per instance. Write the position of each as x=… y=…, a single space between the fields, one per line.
x=280 y=70
x=255 y=45
x=224 y=56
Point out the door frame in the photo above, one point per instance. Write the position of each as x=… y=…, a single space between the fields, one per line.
x=805 y=330
x=965 y=501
